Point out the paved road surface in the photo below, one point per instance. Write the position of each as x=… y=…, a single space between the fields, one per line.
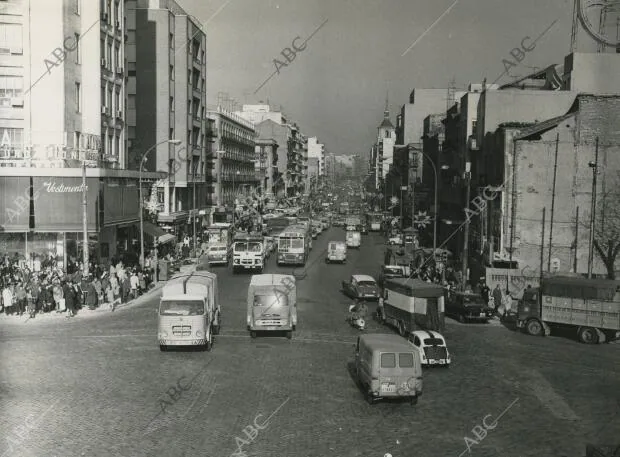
x=98 y=386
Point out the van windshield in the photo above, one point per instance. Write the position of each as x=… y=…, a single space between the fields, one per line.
x=181 y=308
x=271 y=300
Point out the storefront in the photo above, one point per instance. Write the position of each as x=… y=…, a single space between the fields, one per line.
x=43 y=216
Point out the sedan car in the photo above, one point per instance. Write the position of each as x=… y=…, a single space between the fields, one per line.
x=431 y=347
x=467 y=306
x=362 y=287
x=396 y=239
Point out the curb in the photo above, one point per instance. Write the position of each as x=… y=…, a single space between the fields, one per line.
x=84 y=312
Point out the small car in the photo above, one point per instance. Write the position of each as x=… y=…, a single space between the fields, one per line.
x=362 y=287
x=468 y=306
x=396 y=239
x=364 y=229
x=431 y=347
x=217 y=254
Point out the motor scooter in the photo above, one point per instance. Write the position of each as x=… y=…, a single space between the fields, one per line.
x=355 y=320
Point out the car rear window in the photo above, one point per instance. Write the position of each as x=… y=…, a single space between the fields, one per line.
x=388 y=360
x=405 y=360
x=433 y=342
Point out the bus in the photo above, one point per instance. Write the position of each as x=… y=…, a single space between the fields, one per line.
x=294 y=245
x=374 y=221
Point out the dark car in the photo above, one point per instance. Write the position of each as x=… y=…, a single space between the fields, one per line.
x=467 y=306
x=363 y=287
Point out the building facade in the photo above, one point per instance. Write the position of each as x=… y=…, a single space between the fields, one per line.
x=317 y=150
x=63 y=129
x=166 y=101
x=235 y=145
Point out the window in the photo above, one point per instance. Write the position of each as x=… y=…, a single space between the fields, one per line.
x=171 y=73
x=76 y=37
x=118 y=145
x=78 y=97
x=388 y=360
x=171 y=40
x=108 y=60
x=10 y=87
x=405 y=360
x=131 y=101
x=474 y=124
x=117 y=100
x=171 y=104
x=102 y=49
x=103 y=99
x=171 y=134
x=11 y=39
x=109 y=10
x=77 y=6
x=117 y=57
x=387 y=133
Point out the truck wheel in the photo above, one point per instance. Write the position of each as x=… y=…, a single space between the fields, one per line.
x=216 y=329
x=588 y=335
x=253 y=334
x=370 y=398
x=289 y=335
x=163 y=348
x=414 y=400
x=533 y=327
x=208 y=346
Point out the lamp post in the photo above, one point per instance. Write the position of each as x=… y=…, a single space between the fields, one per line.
x=170 y=141
x=594 y=166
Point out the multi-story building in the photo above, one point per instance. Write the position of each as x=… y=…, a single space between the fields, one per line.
x=386 y=139
x=267 y=167
x=292 y=151
x=235 y=145
x=62 y=108
x=166 y=100
x=316 y=149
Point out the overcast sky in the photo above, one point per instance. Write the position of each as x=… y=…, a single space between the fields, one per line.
x=336 y=88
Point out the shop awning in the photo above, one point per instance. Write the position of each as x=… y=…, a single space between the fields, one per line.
x=167 y=238
x=158 y=232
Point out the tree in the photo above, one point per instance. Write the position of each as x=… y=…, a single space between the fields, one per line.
x=607 y=227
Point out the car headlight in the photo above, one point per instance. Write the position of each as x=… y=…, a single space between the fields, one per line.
x=526 y=309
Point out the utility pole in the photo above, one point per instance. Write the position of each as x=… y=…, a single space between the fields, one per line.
x=194 y=204
x=576 y=239
x=594 y=166
x=84 y=218
x=555 y=173
x=466 y=234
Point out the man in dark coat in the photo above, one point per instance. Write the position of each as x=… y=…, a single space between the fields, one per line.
x=91 y=295
x=70 y=297
x=125 y=289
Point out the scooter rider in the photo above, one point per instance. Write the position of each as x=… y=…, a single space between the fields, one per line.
x=357 y=314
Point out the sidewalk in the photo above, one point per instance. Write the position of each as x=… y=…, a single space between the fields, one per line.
x=82 y=313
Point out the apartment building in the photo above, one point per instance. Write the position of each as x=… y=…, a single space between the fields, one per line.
x=166 y=108
x=235 y=144
x=63 y=128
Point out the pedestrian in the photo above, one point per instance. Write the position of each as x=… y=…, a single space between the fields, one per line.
x=125 y=289
x=46 y=296
x=134 y=284
x=497 y=298
x=35 y=295
x=507 y=303
x=70 y=298
x=59 y=296
x=20 y=294
x=91 y=296
x=8 y=299
x=98 y=290
x=142 y=282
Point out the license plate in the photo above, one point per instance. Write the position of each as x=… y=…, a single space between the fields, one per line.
x=482 y=314
x=388 y=387
x=369 y=295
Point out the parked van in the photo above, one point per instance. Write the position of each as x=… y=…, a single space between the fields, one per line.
x=387 y=366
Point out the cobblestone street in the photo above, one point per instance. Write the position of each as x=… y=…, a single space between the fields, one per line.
x=99 y=386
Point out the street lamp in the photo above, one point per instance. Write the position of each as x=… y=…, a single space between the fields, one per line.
x=170 y=141
x=594 y=166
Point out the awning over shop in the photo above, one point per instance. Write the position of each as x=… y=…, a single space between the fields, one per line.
x=167 y=238
x=159 y=233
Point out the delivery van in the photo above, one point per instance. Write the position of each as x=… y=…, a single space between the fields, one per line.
x=387 y=366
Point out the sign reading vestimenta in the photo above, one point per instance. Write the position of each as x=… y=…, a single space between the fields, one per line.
x=61 y=188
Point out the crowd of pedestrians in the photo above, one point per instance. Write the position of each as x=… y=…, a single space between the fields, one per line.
x=47 y=288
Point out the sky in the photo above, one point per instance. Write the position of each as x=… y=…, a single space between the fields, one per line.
x=336 y=87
